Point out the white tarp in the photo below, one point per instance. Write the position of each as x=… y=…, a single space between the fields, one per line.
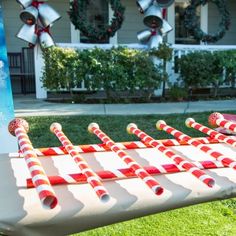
x=79 y=209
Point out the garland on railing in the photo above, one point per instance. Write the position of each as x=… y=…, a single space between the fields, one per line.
x=191 y=21
x=78 y=17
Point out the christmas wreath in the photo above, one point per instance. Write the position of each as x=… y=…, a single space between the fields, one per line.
x=78 y=17
x=192 y=24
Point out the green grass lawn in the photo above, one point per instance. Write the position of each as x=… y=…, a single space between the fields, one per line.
x=214 y=218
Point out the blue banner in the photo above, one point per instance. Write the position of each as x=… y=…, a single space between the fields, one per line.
x=7 y=142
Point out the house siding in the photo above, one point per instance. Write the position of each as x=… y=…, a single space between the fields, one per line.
x=214 y=20
x=12 y=24
x=61 y=29
x=132 y=24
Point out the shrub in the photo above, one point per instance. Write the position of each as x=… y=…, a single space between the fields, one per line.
x=114 y=70
x=177 y=93
x=163 y=52
x=199 y=69
x=227 y=61
x=60 y=68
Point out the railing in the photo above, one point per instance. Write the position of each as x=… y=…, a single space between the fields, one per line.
x=178 y=52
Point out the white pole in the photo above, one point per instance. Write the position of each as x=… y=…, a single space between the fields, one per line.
x=114 y=39
x=41 y=93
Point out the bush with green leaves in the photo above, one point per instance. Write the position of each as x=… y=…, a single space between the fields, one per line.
x=60 y=68
x=200 y=69
x=114 y=70
x=163 y=53
x=177 y=93
x=227 y=61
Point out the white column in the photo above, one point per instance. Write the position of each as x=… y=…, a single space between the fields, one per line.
x=204 y=18
x=171 y=21
x=114 y=39
x=41 y=93
x=171 y=40
x=75 y=34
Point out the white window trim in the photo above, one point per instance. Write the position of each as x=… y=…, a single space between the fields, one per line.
x=75 y=34
x=171 y=20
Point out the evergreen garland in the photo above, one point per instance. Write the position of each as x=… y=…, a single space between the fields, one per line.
x=77 y=15
x=191 y=21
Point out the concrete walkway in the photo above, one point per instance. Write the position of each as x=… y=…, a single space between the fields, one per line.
x=29 y=106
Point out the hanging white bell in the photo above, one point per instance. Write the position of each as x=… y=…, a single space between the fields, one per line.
x=143 y=5
x=45 y=40
x=27 y=33
x=25 y=3
x=144 y=35
x=47 y=14
x=29 y=15
x=165 y=3
x=155 y=40
x=153 y=17
x=166 y=28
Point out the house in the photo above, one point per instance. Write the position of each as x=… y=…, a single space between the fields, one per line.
x=63 y=30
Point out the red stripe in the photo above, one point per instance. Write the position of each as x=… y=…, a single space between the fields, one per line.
x=212 y=133
x=22 y=134
x=226 y=161
x=77 y=158
x=128 y=173
x=178 y=160
x=40 y=182
x=121 y=154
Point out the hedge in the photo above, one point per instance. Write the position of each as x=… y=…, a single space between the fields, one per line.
x=114 y=70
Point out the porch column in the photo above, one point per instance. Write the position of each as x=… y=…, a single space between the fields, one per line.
x=75 y=34
x=171 y=20
x=41 y=93
x=114 y=39
x=204 y=19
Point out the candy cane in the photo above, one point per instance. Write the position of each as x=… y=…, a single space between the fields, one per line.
x=226 y=161
x=19 y=128
x=55 y=151
x=191 y=123
x=217 y=119
x=109 y=175
x=138 y=170
x=91 y=176
x=180 y=161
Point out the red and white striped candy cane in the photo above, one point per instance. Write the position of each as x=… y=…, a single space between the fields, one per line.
x=19 y=128
x=101 y=147
x=190 y=122
x=226 y=161
x=91 y=176
x=180 y=161
x=217 y=119
x=109 y=175
x=138 y=170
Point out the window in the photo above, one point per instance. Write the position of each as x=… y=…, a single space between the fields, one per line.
x=182 y=36
x=97 y=15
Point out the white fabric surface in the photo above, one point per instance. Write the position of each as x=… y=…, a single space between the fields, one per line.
x=79 y=209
